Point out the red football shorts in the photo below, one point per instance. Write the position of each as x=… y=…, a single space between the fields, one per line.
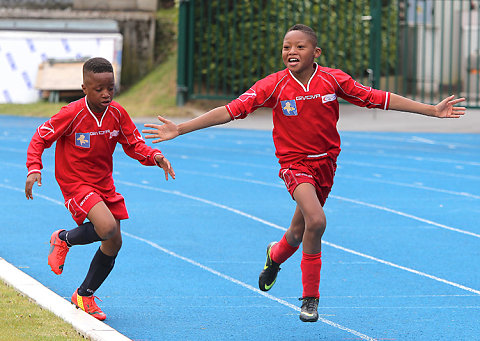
x=82 y=203
x=319 y=172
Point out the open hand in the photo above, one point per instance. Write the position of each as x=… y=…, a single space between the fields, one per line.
x=447 y=108
x=161 y=132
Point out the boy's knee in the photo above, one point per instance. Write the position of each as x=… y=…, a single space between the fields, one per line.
x=295 y=237
x=106 y=231
x=318 y=225
x=113 y=245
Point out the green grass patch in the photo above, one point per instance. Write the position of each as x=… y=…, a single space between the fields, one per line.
x=40 y=109
x=22 y=319
x=155 y=93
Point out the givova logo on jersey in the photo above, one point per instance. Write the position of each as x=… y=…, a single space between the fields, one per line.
x=289 y=107
x=82 y=140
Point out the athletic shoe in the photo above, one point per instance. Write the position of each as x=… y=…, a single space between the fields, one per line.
x=88 y=305
x=58 y=252
x=268 y=276
x=309 y=311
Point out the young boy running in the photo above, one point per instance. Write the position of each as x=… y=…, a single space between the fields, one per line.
x=87 y=132
x=303 y=98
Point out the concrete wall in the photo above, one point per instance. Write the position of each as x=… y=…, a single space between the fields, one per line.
x=116 y=5
x=109 y=5
x=37 y=4
x=137 y=28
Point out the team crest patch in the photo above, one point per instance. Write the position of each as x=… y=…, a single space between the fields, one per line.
x=82 y=140
x=289 y=107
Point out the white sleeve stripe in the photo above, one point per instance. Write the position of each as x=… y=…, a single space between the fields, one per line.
x=34 y=171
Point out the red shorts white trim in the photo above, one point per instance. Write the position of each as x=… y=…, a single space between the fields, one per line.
x=80 y=204
x=319 y=172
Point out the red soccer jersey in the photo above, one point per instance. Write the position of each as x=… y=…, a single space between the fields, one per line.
x=305 y=117
x=85 y=145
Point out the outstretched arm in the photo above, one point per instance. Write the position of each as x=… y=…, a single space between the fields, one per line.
x=444 y=109
x=169 y=130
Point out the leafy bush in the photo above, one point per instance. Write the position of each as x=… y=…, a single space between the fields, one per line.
x=239 y=42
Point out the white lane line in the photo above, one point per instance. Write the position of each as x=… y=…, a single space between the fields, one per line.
x=244 y=285
x=416 y=186
x=415 y=158
x=265 y=222
x=407 y=169
x=406 y=215
x=422 y=140
x=416 y=272
x=21 y=190
x=346 y=136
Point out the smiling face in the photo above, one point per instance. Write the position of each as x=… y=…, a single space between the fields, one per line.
x=99 y=89
x=299 y=53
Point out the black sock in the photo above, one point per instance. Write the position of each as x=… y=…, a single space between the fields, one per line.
x=81 y=235
x=100 y=268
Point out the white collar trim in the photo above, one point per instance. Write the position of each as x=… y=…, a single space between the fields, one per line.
x=99 y=124
x=306 y=89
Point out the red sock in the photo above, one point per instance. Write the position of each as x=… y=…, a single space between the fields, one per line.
x=281 y=251
x=311 y=266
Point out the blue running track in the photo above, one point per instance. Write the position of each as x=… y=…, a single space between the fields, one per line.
x=401 y=253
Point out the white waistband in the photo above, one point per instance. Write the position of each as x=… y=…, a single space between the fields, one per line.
x=317 y=155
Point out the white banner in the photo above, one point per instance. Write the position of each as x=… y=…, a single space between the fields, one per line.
x=21 y=52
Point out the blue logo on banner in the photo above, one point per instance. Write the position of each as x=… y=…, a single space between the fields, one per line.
x=82 y=140
x=11 y=61
x=30 y=44
x=289 y=107
x=66 y=45
x=7 y=97
x=28 y=83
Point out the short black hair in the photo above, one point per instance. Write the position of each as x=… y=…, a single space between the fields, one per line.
x=97 y=65
x=307 y=30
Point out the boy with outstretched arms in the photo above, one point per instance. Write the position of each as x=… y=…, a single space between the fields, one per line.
x=304 y=102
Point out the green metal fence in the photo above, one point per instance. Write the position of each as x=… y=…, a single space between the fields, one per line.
x=423 y=49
